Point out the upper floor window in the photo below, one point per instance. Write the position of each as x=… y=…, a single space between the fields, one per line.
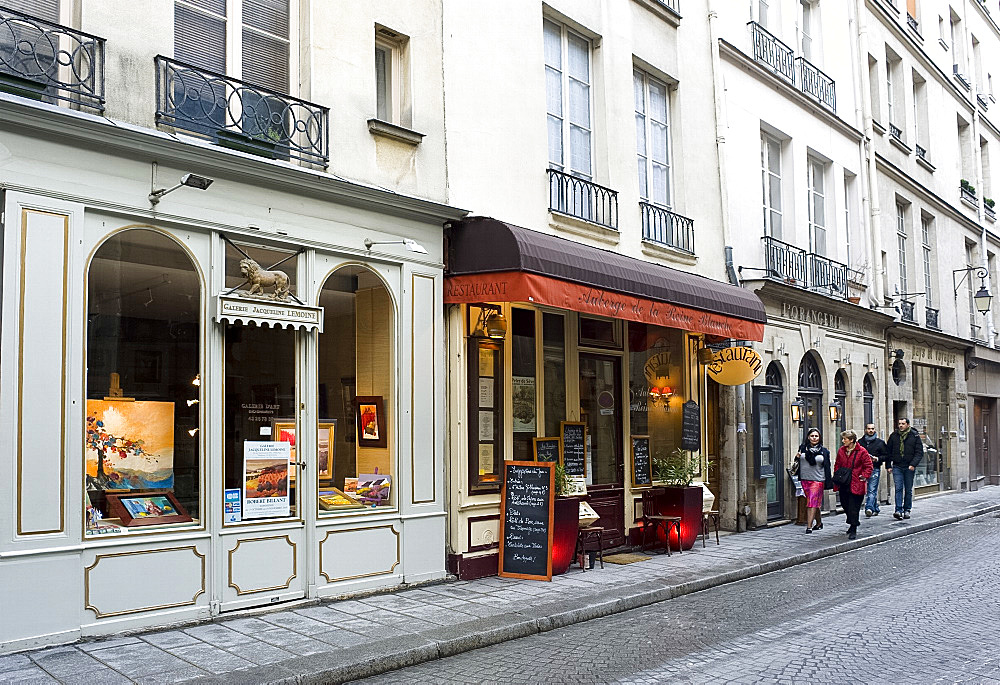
x=816 y=184
x=391 y=82
x=567 y=94
x=808 y=29
x=652 y=132
x=925 y=238
x=42 y=9
x=901 y=245
x=763 y=11
x=770 y=162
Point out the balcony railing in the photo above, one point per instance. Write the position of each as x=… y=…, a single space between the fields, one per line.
x=667 y=228
x=983 y=102
x=812 y=81
x=976 y=332
x=50 y=63
x=931 y=318
x=921 y=152
x=674 y=5
x=827 y=276
x=583 y=199
x=239 y=115
x=960 y=77
x=785 y=262
x=768 y=50
x=968 y=193
x=912 y=23
x=990 y=212
x=896 y=132
x=906 y=311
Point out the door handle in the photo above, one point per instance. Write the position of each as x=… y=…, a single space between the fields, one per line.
x=300 y=464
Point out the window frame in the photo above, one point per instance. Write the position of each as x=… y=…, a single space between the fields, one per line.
x=901 y=237
x=925 y=233
x=648 y=121
x=816 y=168
x=395 y=46
x=766 y=174
x=565 y=163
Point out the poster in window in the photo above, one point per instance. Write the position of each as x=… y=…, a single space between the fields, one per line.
x=962 y=434
x=129 y=445
x=486 y=388
x=523 y=403
x=265 y=479
x=485 y=361
x=325 y=443
x=487 y=463
x=486 y=429
x=284 y=431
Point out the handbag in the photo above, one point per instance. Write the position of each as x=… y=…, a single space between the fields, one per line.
x=793 y=470
x=842 y=476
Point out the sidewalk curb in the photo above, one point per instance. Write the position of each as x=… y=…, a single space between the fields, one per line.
x=363 y=661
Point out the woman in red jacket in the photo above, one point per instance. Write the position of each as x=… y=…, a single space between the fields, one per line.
x=855 y=457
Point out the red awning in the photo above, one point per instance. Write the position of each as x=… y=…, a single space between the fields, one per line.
x=490 y=261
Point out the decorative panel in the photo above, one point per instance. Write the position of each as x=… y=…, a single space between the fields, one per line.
x=341 y=557
x=262 y=564
x=423 y=409
x=41 y=372
x=144 y=580
x=484 y=532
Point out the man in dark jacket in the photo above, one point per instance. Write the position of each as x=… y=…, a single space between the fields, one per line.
x=879 y=452
x=906 y=449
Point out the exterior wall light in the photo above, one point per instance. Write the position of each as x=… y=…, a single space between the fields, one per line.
x=491 y=323
x=410 y=244
x=189 y=180
x=835 y=411
x=983 y=297
x=796 y=408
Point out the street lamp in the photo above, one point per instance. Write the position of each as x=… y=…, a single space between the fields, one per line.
x=797 y=410
x=983 y=297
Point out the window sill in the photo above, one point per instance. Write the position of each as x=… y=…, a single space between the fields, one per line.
x=662 y=11
x=387 y=130
x=926 y=164
x=581 y=227
x=879 y=128
x=653 y=249
x=901 y=145
x=943 y=44
x=969 y=203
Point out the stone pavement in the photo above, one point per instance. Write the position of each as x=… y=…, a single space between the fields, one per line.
x=335 y=641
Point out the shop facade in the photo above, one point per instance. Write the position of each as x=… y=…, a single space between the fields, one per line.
x=824 y=367
x=225 y=400
x=543 y=331
x=983 y=367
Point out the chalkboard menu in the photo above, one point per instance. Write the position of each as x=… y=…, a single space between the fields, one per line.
x=526 y=513
x=691 y=426
x=642 y=464
x=574 y=442
x=547 y=449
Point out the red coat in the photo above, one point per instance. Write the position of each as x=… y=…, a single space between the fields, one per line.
x=862 y=467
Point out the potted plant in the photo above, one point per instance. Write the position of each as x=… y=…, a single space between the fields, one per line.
x=566 y=523
x=264 y=146
x=676 y=472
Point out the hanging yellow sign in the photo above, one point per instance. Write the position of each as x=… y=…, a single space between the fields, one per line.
x=734 y=366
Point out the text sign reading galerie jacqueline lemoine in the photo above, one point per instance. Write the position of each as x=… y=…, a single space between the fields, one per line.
x=526 y=512
x=574 y=441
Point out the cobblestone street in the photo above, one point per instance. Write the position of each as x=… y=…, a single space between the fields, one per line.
x=920 y=609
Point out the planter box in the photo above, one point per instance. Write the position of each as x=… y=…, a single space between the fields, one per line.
x=235 y=140
x=685 y=502
x=565 y=526
x=26 y=88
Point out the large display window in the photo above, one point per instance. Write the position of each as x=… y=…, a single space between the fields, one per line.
x=355 y=393
x=656 y=385
x=142 y=465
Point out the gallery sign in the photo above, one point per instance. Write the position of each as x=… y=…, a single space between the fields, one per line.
x=735 y=366
x=265 y=312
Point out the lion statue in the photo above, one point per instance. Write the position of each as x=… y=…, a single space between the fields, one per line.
x=260 y=279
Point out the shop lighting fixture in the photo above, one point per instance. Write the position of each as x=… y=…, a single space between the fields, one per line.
x=663 y=393
x=196 y=380
x=189 y=180
x=408 y=243
x=706 y=355
x=491 y=323
x=193 y=432
x=835 y=411
x=191 y=403
x=983 y=297
x=797 y=410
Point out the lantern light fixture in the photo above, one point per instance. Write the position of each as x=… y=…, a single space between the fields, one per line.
x=796 y=408
x=836 y=411
x=491 y=323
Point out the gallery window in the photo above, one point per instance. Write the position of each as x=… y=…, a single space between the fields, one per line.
x=356 y=378
x=143 y=385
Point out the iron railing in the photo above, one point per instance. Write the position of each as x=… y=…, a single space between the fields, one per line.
x=768 y=50
x=785 y=262
x=827 y=276
x=931 y=318
x=968 y=194
x=674 y=5
x=921 y=152
x=990 y=212
x=667 y=228
x=896 y=132
x=812 y=81
x=240 y=115
x=912 y=23
x=582 y=199
x=976 y=332
x=906 y=311
x=961 y=77
x=983 y=102
x=49 y=62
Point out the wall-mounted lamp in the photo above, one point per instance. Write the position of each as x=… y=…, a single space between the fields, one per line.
x=796 y=408
x=983 y=297
x=663 y=393
x=706 y=355
x=409 y=244
x=189 y=180
x=491 y=323
x=836 y=411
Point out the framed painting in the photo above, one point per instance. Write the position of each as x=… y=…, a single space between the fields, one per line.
x=326 y=442
x=283 y=430
x=369 y=411
x=129 y=445
x=147 y=509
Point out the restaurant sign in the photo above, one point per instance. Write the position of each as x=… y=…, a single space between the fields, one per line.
x=735 y=366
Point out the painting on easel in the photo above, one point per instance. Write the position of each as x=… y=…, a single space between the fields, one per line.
x=129 y=445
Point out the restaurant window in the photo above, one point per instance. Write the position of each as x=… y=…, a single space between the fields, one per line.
x=600 y=333
x=656 y=385
x=142 y=429
x=554 y=356
x=356 y=372
x=524 y=407
x=261 y=397
x=485 y=359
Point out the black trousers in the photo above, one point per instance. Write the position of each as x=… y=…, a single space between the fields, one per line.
x=852 y=506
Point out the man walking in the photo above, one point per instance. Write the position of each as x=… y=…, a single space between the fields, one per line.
x=906 y=449
x=879 y=452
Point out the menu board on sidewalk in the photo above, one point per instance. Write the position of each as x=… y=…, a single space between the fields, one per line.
x=691 y=426
x=527 y=505
x=574 y=441
x=642 y=465
x=547 y=449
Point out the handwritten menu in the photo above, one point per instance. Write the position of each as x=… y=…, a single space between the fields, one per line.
x=527 y=506
x=546 y=449
x=642 y=465
x=691 y=426
x=574 y=440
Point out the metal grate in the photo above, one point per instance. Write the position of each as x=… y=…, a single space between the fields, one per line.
x=768 y=50
x=812 y=81
x=582 y=199
x=667 y=228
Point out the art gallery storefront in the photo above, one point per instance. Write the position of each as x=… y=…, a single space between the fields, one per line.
x=180 y=446
x=546 y=333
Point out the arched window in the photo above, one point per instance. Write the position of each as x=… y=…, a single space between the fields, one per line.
x=143 y=381
x=809 y=376
x=868 y=398
x=840 y=397
x=811 y=394
x=356 y=382
x=772 y=376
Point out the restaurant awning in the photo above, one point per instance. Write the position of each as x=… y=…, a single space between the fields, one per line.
x=492 y=261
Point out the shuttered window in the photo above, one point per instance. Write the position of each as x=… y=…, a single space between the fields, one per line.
x=265 y=43
x=43 y=9
x=200 y=34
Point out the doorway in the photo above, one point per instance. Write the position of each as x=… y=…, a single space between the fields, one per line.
x=601 y=409
x=769 y=440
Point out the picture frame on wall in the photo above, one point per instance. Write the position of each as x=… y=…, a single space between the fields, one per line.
x=152 y=508
x=326 y=448
x=369 y=411
x=283 y=430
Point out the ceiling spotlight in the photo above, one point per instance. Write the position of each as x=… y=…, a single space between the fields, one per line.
x=189 y=180
x=410 y=244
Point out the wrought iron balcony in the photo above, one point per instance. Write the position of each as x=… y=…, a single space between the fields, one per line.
x=921 y=152
x=968 y=193
x=965 y=83
x=667 y=228
x=785 y=262
x=49 y=62
x=896 y=132
x=812 y=81
x=674 y=5
x=912 y=23
x=582 y=199
x=983 y=102
x=931 y=318
x=770 y=51
x=906 y=311
x=239 y=115
x=976 y=333
x=990 y=212
x=827 y=276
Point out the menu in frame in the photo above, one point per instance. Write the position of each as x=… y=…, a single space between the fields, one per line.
x=527 y=506
x=642 y=463
x=574 y=442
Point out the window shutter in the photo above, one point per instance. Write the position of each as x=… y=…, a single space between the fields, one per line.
x=265 y=55
x=911 y=8
x=43 y=9
x=199 y=37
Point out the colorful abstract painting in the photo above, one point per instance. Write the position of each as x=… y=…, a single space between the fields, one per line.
x=129 y=445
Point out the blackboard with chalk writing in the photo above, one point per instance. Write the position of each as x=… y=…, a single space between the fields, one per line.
x=691 y=426
x=527 y=504
x=547 y=449
x=642 y=464
x=574 y=441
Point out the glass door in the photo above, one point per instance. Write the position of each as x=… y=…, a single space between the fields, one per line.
x=770 y=454
x=601 y=409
